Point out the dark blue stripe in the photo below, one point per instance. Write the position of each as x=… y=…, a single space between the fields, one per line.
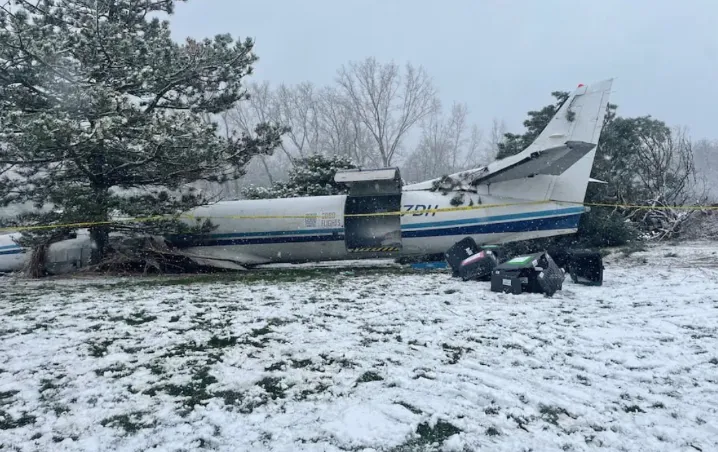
x=512 y=216
x=15 y=251
x=278 y=233
x=538 y=224
x=184 y=242
x=4 y=247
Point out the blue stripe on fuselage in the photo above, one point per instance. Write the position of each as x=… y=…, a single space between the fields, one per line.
x=538 y=224
x=12 y=251
x=535 y=221
x=511 y=216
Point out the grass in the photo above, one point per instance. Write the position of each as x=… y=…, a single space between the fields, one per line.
x=129 y=423
x=208 y=352
x=427 y=436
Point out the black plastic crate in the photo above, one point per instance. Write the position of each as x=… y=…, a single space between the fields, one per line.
x=459 y=251
x=478 y=266
x=536 y=273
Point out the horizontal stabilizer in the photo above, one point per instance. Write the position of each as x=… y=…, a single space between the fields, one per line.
x=552 y=162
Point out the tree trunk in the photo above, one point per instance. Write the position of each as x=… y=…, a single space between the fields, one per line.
x=100 y=236
x=36 y=265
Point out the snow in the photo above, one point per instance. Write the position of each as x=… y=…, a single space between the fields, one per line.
x=350 y=357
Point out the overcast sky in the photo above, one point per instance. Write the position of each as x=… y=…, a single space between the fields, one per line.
x=501 y=57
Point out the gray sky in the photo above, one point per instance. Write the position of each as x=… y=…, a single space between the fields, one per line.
x=501 y=57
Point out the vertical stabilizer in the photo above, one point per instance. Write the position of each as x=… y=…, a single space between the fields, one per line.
x=556 y=165
x=589 y=107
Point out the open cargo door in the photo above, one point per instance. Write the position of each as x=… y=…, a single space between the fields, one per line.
x=371 y=194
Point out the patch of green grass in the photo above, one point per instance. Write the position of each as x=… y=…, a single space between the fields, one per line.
x=222 y=342
x=343 y=362
x=300 y=364
x=551 y=413
x=229 y=397
x=156 y=368
x=192 y=393
x=119 y=369
x=59 y=439
x=139 y=318
x=60 y=409
x=261 y=331
x=273 y=387
x=633 y=409
x=454 y=353
x=409 y=407
x=46 y=385
x=6 y=397
x=18 y=311
x=518 y=347
x=99 y=349
x=130 y=422
x=275 y=366
x=369 y=376
x=493 y=431
x=318 y=389
x=428 y=436
x=7 y=422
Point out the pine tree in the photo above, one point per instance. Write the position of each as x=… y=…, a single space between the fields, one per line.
x=311 y=176
x=104 y=114
x=536 y=122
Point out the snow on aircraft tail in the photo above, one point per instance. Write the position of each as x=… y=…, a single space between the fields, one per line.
x=557 y=165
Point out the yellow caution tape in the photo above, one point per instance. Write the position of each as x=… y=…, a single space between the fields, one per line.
x=262 y=217
x=373 y=214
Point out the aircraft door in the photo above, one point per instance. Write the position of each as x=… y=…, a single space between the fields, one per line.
x=371 y=194
x=370 y=231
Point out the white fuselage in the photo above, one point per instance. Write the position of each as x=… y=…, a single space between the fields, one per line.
x=251 y=239
x=246 y=233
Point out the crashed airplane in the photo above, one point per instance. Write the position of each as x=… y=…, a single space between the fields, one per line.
x=536 y=193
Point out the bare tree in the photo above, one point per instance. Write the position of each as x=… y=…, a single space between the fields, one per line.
x=297 y=109
x=342 y=132
x=665 y=176
x=496 y=136
x=387 y=103
x=260 y=107
x=706 y=162
x=447 y=145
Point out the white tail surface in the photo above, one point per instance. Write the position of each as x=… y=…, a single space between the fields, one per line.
x=557 y=165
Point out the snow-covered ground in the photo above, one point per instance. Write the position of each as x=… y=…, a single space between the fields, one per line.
x=373 y=358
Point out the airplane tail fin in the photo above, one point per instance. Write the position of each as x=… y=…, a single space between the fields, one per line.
x=579 y=119
x=557 y=165
x=575 y=129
